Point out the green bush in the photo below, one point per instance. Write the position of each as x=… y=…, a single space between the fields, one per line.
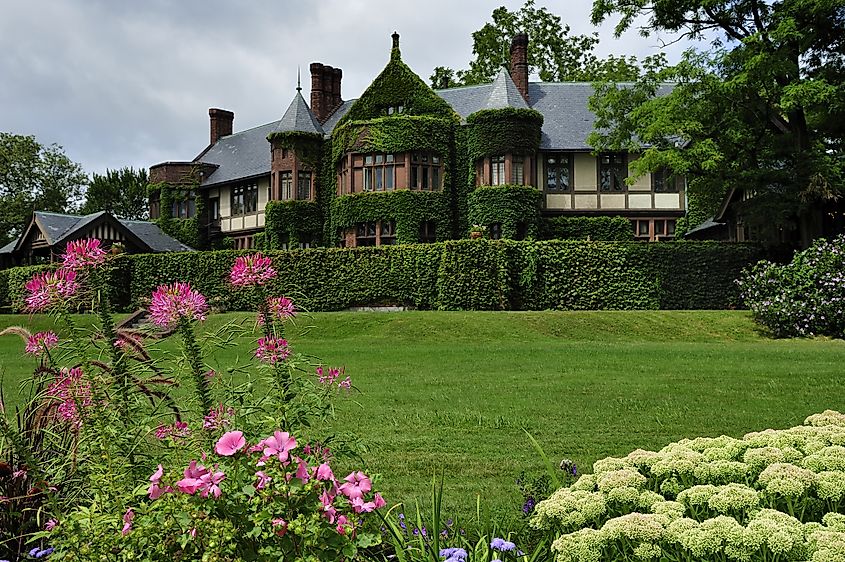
x=454 y=275
x=582 y=228
x=510 y=205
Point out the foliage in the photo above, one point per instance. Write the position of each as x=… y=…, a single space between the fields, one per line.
x=760 y=111
x=515 y=207
x=307 y=146
x=408 y=208
x=586 y=228
x=800 y=298
x=123 y=193
x=34 y=176
x=185 y=230
x=774 y=494
x=292 y=221
x=398 y=85
x=400 y=133
x=459 y=275
x=505 y=130
x=553 y=53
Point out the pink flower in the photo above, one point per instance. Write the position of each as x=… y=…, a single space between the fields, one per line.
x=41 y=342
x=263 y=480
x=179 y=430
x=342 y=524
x=50 y=524
x=127 y=521
x=357 y=484
x=193 y=478
x=324 y=472
x=49 y=288
x=156 y=490
x=253 y=269
x=272 y=350
x=230 y=443
x=281 y=526
x=280 y=308
x=177 y=300
x=345 y=384
x=379 y=501
x=302 y=470
x=210 y=484
x=71 y=390
x=80 y=254
x=360 y=506
x=278 y=445
x=218 y=417
x=331 y=376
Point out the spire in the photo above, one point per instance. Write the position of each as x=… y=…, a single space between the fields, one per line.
x=299 y=117
x=504 y=93
x=395 y=54
x=298 y=79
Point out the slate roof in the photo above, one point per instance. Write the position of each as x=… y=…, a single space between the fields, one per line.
x=567 y=122
x=298 y=117
x=57 y=227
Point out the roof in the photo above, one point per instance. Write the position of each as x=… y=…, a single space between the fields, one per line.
x=7 y=249
x=706 y=225
x=58 y=227
x=298 y=117
x=567 y=122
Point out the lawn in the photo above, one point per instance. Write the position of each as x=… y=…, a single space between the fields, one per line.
x=454 y=390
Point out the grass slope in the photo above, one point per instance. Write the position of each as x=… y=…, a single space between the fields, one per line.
x=453 y=390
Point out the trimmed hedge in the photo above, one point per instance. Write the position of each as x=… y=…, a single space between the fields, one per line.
x=508 y=205
x=455 y=275
x=610 y=229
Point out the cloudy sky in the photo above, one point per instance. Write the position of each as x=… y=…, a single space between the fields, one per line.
x=130 y=83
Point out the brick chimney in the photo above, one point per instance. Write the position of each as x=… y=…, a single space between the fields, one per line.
x=325 y=90
x=221 y=123
x=519 y=63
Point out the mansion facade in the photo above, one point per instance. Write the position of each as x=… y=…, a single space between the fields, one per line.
x=405 y=163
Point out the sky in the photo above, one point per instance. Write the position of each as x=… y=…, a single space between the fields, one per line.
x=129 y=83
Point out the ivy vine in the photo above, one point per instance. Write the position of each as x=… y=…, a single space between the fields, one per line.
x=509 y=205
x=296 y=221
x=408 y=208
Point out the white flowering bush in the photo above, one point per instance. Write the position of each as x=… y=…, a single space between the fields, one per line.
x=802 y=298
x=772 y=495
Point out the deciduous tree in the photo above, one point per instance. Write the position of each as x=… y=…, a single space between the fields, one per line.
x=120 y=192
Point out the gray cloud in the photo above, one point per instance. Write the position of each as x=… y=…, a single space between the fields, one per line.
x=129 y=83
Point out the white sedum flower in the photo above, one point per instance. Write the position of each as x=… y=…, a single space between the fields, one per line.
x=828 y=417
x=787 y=480
x=622 y=478
x=734 y=499
x=830 y=485
x=829 y=458
x=569 y=509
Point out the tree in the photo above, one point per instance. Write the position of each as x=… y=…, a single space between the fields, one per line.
x=34 y=177
x=122 y=193
x=553 y=53
x=763 y=109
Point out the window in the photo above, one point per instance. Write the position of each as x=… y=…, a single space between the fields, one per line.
x=428 y=231
x=558 y=169
x=517 y=170
x=379 y=233
x=285 y=186
x=662 y=181
x=612 y=172
x=303 y=186
x=653 y=229
x=426 y=171
x=243 y=242
x=497 y=170
x=495 y=230
x=185 y=207
x=379 y=172
x=244 y=199
x=214 y=208
x=365 y=234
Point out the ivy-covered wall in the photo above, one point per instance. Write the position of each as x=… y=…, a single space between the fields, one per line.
x=505 y=130
x=296 y=221
x=186 y=230
x=453 y=275
x=515 y=207
x=408 y=208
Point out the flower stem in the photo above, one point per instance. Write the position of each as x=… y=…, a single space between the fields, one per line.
x=195 y=362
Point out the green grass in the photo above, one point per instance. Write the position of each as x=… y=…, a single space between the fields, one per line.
x=454 y=390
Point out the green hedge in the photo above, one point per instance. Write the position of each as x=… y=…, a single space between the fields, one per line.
x=506 y=130
x=299 y=221
x=454 y=275
x=508 y=205
x=616 y=229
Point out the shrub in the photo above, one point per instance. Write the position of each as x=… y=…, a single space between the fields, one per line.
x=805 y=297
x=774 y=494
x=617 y=229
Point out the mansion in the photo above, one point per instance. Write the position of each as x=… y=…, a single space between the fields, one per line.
x=405 y=163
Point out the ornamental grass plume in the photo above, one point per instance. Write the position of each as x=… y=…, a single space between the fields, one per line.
x=250 y=270
x=49 y=289
x=175 y=301
x=81 y=254
x=41 y=342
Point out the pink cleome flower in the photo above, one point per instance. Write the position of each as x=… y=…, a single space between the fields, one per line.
x=272 y=350
x=174 y=301
x=41 y=342
x=80 y=254
x=49 y=288
x=71 y=390
x=253 y=269
x=281 y=308
x=218 y=417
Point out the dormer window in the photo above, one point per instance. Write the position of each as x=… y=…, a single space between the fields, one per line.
x=394 y=109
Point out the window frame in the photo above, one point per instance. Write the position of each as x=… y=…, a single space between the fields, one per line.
x=497 y=163
x=570 y=171
x=621 y=166
x=247 y=193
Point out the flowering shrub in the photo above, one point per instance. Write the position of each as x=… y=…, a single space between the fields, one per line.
x=772 y=495
x=805 y=297
x=223 y=474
